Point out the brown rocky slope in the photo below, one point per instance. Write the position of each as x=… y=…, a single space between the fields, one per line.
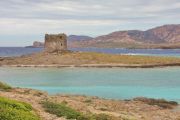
x=167 y=36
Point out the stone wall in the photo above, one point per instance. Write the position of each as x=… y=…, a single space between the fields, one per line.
x=55 y=42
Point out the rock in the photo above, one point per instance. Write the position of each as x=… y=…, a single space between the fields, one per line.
x=37 y=44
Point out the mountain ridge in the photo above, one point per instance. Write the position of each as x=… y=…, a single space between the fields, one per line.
x=166 y=36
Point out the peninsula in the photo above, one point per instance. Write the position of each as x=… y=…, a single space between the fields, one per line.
x=56 y=54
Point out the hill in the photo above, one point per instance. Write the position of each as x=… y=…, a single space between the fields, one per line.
x=167 y=36
x=76 y=40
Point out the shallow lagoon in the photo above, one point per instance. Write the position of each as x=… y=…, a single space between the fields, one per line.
x=115 y=83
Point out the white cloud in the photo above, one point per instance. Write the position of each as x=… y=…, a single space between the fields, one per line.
x=33 y=26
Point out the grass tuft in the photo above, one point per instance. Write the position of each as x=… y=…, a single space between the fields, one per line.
x=62 y=110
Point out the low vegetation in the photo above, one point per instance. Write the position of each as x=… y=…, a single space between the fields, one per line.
x=79 y=58
x=128 y=59
x=103 y=117
x=62 y=110
x=15 y=110
x=159 y=102
x=5 y=87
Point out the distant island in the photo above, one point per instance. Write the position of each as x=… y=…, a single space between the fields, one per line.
x=71 y=39
x=36 y=44
x=163 y=37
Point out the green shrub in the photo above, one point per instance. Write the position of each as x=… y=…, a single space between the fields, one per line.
x=159 y=102
x=102 y=117
x=60 y=110
x=14 y=110
x=4 y=86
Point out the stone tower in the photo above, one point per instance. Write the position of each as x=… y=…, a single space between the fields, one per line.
x=55 y=42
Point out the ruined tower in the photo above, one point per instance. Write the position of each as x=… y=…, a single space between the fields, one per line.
x=55 y=42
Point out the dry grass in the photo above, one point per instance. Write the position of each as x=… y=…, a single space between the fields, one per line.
x=79 y=58
x=127 y=59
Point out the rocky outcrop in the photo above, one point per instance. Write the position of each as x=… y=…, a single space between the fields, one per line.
x=37 y=44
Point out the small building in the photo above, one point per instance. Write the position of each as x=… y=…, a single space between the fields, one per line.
x=55 y=42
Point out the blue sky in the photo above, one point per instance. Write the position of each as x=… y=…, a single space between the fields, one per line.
x=25 y=21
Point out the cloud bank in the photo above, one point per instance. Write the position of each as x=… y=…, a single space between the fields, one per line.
x=34 y=18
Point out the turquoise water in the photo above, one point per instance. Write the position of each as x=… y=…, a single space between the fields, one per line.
x=115 y=83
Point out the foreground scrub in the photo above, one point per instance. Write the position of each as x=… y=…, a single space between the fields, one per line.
x=14 y=110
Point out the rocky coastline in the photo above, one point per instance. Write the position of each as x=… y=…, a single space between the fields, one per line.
x=135 y=109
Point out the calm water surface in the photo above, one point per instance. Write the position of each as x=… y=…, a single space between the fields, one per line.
x=116 y=83
x=18 y=51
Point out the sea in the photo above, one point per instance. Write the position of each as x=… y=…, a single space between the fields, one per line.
x=109 y=83
x=18 y=51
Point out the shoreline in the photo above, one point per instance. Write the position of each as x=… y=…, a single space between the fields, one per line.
x=98 y=65
x=131 y=109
